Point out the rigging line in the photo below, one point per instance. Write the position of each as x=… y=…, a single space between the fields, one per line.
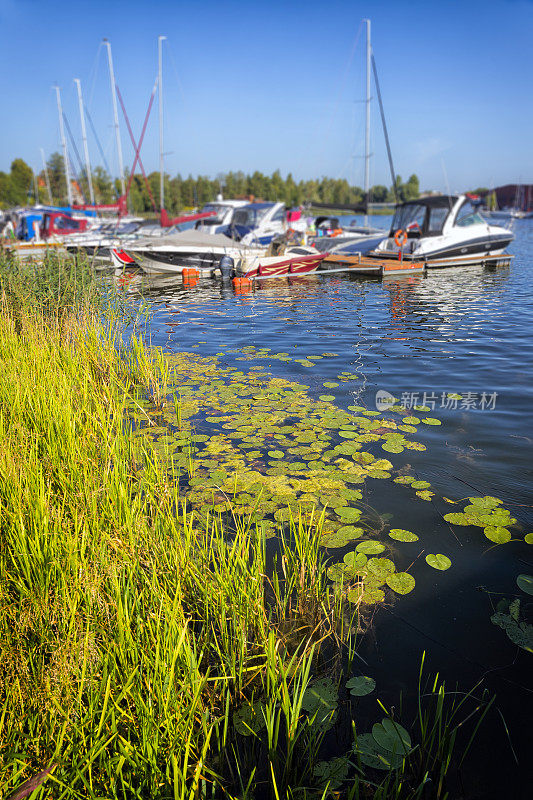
x=73 y=143
x=94 y=72
x=104 y=159
x=385 y=131
x=137 y=147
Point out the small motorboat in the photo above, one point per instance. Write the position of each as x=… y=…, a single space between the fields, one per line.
x=441 y=230
x=213 y=255
x=221 y=216
x=256 y=224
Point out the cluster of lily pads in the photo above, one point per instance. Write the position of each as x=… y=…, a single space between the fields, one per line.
x=260 y=449
x=487 y=513
x=510 y=617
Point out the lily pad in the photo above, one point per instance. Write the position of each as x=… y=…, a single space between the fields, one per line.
x=458 y=519
x=392 y=447
x=380 y=567
x=330 y=384
x=431 y=421
x=361 y=685
x=327 y=397
x=320 y=701
x=372 y=596
x=400 y=582
x=249 y=719
x=350 y=533
x=370 y=547
x=332 y=772
x=404 y=479
x=347 y=513
x=354 y=560
x=420 y=485
x=391 y=736
x=276 y=453
x=528 y=538
x=497 y=534
x=525 y=582
x=372 y=755
x=438 y=561
x=402 y=536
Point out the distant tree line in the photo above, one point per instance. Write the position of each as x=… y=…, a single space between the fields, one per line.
x=18 y=187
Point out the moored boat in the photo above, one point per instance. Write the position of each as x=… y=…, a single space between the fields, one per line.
x=440 y=230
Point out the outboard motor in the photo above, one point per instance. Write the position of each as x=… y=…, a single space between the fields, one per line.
x=227 y=267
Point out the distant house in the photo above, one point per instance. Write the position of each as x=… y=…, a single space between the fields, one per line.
x=513 y=195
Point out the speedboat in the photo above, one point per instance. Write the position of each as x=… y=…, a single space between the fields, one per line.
x=222 y=215
x=442 y=229
x=256 y=224
x=215 y=255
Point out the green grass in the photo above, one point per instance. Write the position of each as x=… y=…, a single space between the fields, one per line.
x=130 y=629
x=137 y=634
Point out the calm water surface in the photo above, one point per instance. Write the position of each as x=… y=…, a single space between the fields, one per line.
x=465 y=330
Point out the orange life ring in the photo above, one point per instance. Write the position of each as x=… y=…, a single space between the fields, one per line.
x=400 y=237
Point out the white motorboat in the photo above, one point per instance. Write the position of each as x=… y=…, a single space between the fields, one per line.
x=222 y=211
x=215 y=255
x=256 y=224
x=442 y=228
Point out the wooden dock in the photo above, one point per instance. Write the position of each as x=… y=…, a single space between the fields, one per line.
x=380 y=265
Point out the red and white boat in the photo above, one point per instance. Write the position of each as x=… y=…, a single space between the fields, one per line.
x=214 y=255
x=292 y=262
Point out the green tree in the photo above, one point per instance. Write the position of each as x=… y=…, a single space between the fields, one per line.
x=20 y=182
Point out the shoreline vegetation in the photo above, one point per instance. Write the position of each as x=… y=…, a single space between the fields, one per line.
x=17 y=188
x=161 y=644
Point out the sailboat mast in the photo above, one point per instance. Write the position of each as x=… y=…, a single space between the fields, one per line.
x=85 y=145
x=367 y=127
x=47 y=177
x=161 y=164
x=64 y=145
x=115 y=116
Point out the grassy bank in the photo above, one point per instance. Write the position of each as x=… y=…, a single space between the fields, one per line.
x=152 y=648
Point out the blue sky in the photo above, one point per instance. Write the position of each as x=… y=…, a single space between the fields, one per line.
x=279 y=85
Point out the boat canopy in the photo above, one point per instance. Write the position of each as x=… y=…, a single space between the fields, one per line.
x=192 y=239
x=425 y=216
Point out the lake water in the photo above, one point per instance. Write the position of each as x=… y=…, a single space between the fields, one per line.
x=462 y=330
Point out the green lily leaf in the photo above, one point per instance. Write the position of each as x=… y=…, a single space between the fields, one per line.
x=525 y=582
x=392 y=736
x=400 y=582
x=370 y=547
x=402 y=536
x=498 y=534
x=372 y=755
x=361 y=685
x=438 y=561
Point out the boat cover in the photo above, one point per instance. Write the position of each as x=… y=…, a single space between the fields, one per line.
x=191 y=238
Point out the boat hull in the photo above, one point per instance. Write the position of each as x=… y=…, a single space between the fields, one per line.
x=284 y=266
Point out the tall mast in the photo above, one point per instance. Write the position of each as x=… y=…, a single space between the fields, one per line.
x=161 y=165
x=46 y=176
x=115 y=116
x=85 y=145
x=367 y=130
x=64 y=145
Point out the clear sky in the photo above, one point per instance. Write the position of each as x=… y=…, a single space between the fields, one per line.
x=279 y=85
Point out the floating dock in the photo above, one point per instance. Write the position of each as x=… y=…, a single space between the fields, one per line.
x=381 y=265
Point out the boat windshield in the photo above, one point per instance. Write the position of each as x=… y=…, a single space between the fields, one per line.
x=409 y=216
x=468 y=215
x=250 y=216
x=219 y=211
